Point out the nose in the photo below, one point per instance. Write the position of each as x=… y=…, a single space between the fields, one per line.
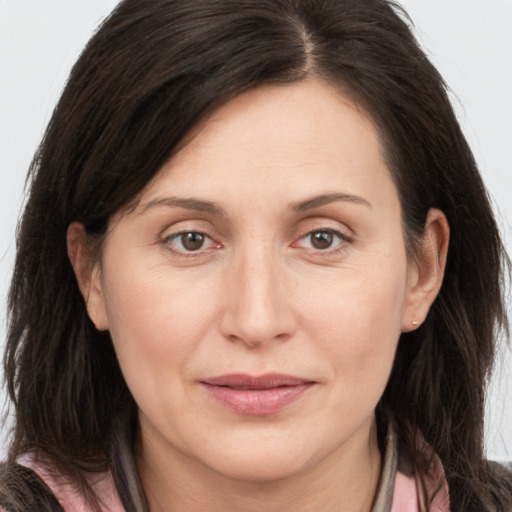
x=258 y=307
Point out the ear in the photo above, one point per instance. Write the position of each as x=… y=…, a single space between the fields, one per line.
x=426 y=270
x=88 y=274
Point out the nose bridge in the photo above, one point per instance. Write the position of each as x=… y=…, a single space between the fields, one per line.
x=258 y=310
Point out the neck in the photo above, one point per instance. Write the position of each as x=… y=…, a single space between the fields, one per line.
x=345 y=480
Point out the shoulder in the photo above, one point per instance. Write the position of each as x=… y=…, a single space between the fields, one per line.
x=412 y=490
x=421 y=492
x=501 y=473
x=500 y=485
x=31 y=483
x=22 y=490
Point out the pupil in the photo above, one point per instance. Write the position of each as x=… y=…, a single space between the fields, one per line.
x=192 y=241
x=322 y=240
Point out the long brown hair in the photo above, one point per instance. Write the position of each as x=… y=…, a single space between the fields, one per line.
x=150 y=73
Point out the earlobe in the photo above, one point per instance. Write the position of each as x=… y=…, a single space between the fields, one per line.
x=88 y=275
x=426 y=270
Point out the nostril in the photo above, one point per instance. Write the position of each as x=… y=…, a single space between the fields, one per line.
x=254 y=342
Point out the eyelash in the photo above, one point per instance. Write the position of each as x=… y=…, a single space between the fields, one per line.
x=340 y=246
x=343 y=239
x=167 y=240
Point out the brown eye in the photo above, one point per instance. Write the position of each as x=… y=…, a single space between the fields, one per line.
x=322 y=240
x=188 y=242
x=192 y=241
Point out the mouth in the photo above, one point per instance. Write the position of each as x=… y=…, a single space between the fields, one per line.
x=256 y=395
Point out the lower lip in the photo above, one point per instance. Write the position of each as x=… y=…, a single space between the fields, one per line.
x=257 y=402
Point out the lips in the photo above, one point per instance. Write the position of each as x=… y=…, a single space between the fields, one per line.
x=256 y=395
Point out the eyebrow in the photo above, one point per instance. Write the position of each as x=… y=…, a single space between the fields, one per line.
x=187 y=203
x=212 y=208
x=322 y=200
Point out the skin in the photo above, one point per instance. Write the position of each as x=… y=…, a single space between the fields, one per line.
x=258 y=296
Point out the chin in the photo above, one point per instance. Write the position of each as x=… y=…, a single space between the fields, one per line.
x=260 y=468
x=263 y=458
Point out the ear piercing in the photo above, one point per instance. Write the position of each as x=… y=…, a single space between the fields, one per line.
x=415 y=323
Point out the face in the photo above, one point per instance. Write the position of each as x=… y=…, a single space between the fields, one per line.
x=256 y=295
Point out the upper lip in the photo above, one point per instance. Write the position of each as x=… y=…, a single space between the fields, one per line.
x=266 y=381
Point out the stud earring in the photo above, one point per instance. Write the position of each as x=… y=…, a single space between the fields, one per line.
x=415 y=323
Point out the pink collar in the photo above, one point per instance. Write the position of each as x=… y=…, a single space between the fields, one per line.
x=399 y=488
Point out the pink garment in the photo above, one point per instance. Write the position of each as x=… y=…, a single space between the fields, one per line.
x=69 y=497
x=406 y=497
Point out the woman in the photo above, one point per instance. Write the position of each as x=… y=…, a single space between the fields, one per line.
x=268 y=249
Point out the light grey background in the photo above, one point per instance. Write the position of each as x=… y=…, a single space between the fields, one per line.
x=470 y=42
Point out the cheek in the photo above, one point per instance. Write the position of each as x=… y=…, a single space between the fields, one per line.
x=356 y=329
x=357 y=324
x=157 y=320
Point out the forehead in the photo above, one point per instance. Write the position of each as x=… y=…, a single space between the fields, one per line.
x=298 y=139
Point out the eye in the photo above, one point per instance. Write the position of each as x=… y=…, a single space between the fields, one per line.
x=190 y=241
x=322 y=240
